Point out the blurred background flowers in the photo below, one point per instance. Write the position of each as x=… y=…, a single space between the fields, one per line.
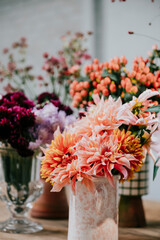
x=40 y=26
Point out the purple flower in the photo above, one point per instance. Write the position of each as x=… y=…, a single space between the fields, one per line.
x=6 y=103
x=5 y=112
x=67 y=110
x=35 y=145
x=62 y=107
x=25 y=118
x=64 y=120
x=56 y=103
x=46 y=96
x=16 y=121
x=26 y=127
x=51 y=97
x=21 y=145
x=18 y=142
x=48 y=119
x=5 y=128
x=16 y=98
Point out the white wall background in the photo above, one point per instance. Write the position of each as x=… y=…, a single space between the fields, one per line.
x=131 y=15
x=118 y=19
x=44 y=22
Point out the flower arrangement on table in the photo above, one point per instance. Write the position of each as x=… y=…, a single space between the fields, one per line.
x=113 y=79
x=109 y=140
x=25 y=126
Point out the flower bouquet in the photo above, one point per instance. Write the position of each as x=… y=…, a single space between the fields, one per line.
x=20 y=183
x=113 y=79
x=108 y=142
x=67 y=65
x=23 y=128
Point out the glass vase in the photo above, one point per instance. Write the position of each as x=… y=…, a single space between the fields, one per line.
x=20 y=185
x=94 y=216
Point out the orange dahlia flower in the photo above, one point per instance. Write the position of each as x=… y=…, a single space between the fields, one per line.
x=58 y=154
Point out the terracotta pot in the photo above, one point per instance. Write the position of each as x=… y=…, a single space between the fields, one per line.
x=51 y=205
x=131 y=212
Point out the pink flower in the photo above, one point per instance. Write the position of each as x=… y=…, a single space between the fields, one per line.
x=74 y=69
x=8 y=88
x=40 y=78
x=69 y=175
x=5 y=50
x=86 y=56
x=106 y=153
x=11 y=66
x=45 y=55
x=143 y=98
x=141 y=103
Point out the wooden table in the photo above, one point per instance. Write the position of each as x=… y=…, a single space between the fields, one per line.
x=57 y=230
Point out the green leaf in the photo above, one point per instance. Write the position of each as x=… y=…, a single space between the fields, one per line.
x=127 y=97
x=83 y=79
x=105 y=73
x=155 y=109
x=52 y=80
x=112 y=76
x=16 y=71
x=155 y=169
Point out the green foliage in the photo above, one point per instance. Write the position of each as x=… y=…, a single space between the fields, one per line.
x=155 y=169
x=155 y=109
x=113 y=76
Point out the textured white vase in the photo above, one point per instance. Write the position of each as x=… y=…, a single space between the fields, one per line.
x=94 y=216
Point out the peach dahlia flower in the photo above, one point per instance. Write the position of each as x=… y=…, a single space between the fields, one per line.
x=106 y=153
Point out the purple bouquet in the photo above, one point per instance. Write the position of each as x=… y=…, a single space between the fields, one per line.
x=25 y=126
x=50 y=114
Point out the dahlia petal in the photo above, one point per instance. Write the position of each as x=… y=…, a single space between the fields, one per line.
x=89 y=185
x=122 y=170
x=57 y=187
x=73 y=182
x=147 y=94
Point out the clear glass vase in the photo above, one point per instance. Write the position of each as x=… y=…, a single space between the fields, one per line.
x=94 y=216
x=20 y=185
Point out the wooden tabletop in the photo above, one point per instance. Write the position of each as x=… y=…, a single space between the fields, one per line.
x=57 y=230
